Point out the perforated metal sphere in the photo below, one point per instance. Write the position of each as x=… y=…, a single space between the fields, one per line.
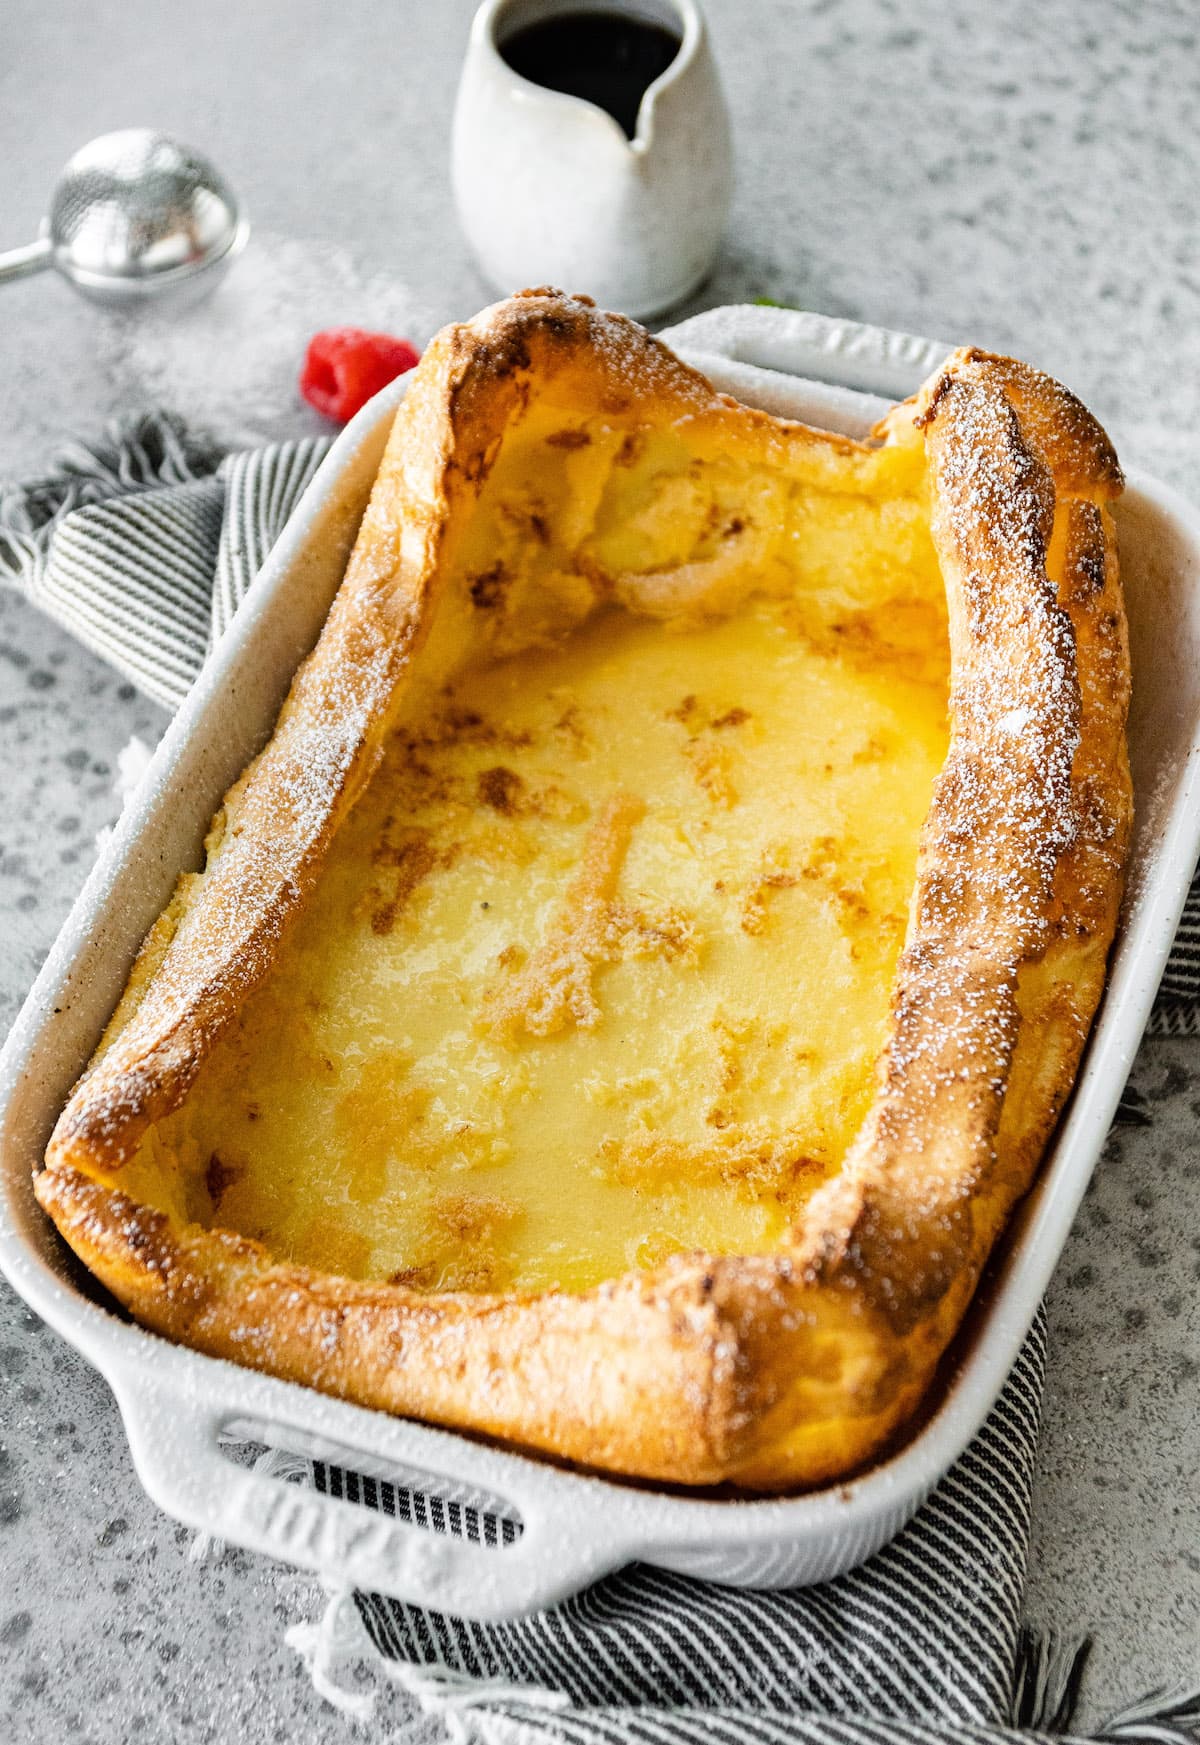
x=135 y=213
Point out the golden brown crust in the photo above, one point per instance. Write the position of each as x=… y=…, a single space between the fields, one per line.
x=773 y=1371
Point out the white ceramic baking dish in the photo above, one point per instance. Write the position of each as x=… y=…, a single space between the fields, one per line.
x=180 y=1408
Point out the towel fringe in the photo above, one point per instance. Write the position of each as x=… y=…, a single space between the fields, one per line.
x=1166 y=1716
x=1047 y=1676
x=1047 y=1679
x=338 y=1639
x=133 y=453
x=325 y=1645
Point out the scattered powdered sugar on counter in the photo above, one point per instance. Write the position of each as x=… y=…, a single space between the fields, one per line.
x=133 y=760
x=231 y=362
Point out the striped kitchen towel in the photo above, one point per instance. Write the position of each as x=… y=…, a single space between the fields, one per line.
x=142 y=545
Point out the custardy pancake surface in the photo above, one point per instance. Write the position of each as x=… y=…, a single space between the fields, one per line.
x=624 y=1000
x=597 y=970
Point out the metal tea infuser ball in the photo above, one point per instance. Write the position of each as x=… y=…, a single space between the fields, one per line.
x=136 y=217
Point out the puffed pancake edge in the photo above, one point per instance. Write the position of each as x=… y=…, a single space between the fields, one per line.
x=769 y=1372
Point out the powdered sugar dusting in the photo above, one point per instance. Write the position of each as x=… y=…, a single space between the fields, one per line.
x=263 y=865
x=1004 y=813
x=231 y=362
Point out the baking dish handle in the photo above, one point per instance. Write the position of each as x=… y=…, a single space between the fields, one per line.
x=175 y=1444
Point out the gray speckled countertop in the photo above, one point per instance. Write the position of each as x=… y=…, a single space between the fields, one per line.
x=1023 y=176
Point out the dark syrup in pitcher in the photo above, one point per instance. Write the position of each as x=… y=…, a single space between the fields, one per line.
x=607 y=58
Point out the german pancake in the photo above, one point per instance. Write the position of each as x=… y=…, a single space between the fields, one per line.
x=627 y=995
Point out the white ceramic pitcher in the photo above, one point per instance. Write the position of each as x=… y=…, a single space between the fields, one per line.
x=551 y=192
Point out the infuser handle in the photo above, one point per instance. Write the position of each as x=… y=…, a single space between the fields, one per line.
x=35 y=257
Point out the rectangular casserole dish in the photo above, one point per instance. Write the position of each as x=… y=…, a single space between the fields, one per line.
x=566 y=1528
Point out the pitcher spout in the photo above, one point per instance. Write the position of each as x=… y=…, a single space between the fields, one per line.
x=591 y=148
